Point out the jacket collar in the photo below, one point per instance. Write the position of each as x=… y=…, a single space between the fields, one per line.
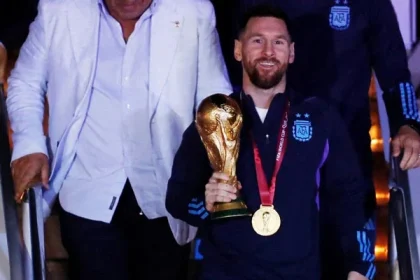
x=293 y=96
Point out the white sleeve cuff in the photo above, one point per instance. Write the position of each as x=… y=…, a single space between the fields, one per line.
x=25 y=145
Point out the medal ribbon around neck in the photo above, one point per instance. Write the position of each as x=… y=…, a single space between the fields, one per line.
x=267 y=191
x=266 y=221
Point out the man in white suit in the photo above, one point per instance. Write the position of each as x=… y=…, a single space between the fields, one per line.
x=122 y=78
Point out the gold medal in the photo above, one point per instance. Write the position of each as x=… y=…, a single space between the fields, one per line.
x=266 y=221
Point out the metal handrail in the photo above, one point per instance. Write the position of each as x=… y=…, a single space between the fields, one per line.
x=14 y=243
x=35 y=221
x=403 y=250
x=24 y=265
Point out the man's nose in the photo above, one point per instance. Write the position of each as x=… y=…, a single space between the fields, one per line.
x=268 y=49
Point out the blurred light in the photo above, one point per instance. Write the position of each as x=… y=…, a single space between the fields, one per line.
x=376 y=143
x=381 y=253
x=383 y=195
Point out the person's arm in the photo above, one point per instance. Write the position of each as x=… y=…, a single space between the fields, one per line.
x=185 y=197
x=346 y=193
x=212 y=72
x=27 y=87
x=389 y=58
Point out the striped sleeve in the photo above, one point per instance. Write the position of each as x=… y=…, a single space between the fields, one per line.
x=408 y=102
x=366 y=241
x=346 y=192
x=190 y=173
x=389 y=60
x=401 y=106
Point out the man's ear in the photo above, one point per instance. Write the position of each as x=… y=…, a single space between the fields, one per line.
x=292 y=53
x=237 y=52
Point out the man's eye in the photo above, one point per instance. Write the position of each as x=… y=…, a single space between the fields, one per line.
x=257 y=41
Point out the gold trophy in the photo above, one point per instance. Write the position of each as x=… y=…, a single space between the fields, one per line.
x=219 y=123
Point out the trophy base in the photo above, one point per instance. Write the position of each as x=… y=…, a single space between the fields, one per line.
x=235 y=208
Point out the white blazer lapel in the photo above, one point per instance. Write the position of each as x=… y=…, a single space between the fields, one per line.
x=83 y=24
x=165 y=32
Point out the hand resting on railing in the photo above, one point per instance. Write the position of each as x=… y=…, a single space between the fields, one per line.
x=28 y=171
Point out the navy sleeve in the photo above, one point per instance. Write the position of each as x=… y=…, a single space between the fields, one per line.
x=190 y=173
x=389 y=58
x=347 y=196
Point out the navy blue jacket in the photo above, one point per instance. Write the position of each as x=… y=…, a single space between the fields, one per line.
x=338 y=43
x=231 y=248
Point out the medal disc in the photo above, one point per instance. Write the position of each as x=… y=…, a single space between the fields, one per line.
x=266 y=221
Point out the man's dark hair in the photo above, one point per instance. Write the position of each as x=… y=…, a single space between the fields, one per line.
x=263 y=10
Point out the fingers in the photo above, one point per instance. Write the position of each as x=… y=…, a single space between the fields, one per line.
x=411 y=157
x=417 y=163
x=210 y=206
x=23 y=176
x=353 y=275
x=396 y=146
x=28 y=171
x=219 y=195
x=45 y=175
x=406 y=157
x=414 y=157
x=20 y=197
x=408 y=141
x=219 y=192
x=218 y=176
x=213 y=180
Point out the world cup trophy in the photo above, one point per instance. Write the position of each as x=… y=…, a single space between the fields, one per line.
x=219 y=123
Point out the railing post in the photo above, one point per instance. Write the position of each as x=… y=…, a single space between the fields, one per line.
x=33 y=234
x=403 y=254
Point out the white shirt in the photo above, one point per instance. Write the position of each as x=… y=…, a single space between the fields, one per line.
x=115 y=142
x=262 y=112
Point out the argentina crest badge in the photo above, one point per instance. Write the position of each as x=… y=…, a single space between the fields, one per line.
x=302 y=128
x=340 y=15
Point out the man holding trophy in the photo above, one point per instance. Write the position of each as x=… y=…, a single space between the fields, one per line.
x=247 y=171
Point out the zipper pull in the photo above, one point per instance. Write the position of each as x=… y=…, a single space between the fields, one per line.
x=267 y=139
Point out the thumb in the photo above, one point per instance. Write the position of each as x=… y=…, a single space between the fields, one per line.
x=396 y=146
x=209 y=207
x=45 y=175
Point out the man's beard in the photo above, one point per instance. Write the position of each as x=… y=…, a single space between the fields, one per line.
x=264 y=81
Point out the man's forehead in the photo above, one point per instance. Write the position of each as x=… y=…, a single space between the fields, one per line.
x=267 y=25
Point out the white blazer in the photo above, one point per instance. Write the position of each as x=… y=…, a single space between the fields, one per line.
x=58 y=60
